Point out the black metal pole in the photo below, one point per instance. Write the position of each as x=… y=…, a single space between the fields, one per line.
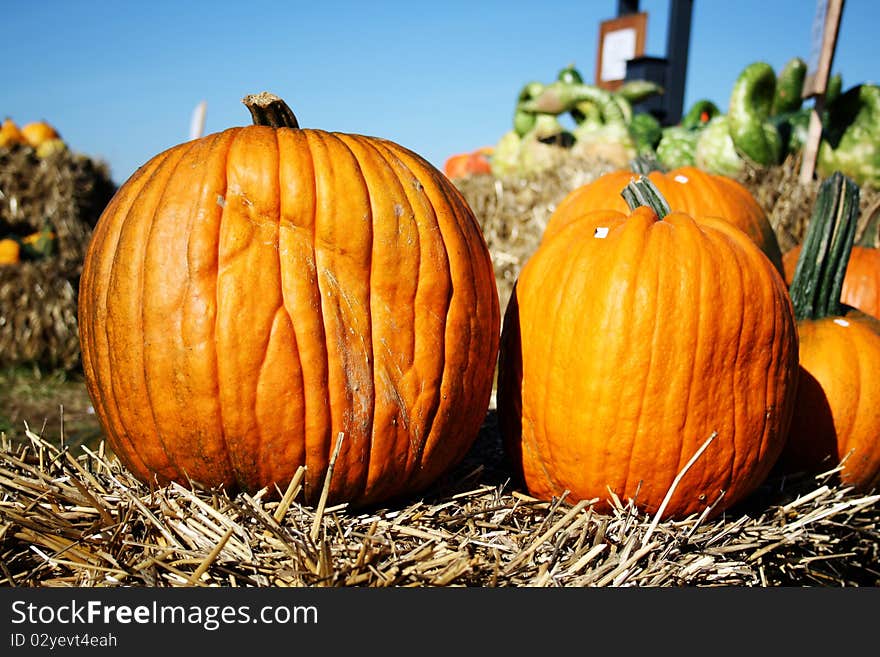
x=627 y=7
x=678 y=37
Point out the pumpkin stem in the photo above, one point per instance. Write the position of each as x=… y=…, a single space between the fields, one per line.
x=642 y=191
x=870 y=238
x=268 y=109
x=821 y=267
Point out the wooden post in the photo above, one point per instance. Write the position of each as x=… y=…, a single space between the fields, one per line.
x=197 y=121
x=816 y=83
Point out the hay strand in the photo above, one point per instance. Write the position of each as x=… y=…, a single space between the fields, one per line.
x=464 y=532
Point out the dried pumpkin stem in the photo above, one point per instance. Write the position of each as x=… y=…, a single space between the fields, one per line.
x=821 y=267
x=270 y=110
x=641 y=191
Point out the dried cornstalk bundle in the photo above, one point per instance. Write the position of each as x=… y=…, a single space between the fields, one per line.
x=38 y=316
x=69 y=520
x=64 y=193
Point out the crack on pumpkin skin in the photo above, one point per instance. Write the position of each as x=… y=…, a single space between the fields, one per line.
x=412 y=439
x=427 y=223
x=408 y=444
x=301 y=298
x=367 y=411
x=453 y=201
x=471 y=280
x=312 y=480
x=344 y=313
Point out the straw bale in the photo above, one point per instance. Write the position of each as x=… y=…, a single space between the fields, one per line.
x=66 y=193
x=83 y=520
x=513 y=211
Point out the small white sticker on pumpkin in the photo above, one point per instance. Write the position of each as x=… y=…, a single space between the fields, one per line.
x=841 y=322
x=601 y=232
x=221 y=201
x=680 y=178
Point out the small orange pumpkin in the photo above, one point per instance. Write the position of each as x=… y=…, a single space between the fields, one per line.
x=251 y=295
x=629 y=341
x=10 y=133
x=837 y=410
x=473 y=163
x=686 y=189
x=39 y=132
x=861 y=285
x=10 y=252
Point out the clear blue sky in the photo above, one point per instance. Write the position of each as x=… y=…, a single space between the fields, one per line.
x=120 y=79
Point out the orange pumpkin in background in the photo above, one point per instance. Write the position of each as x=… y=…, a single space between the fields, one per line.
x=629 y=342
x=837 y=411
x=473 y=163
x=686 y=189
x=39 y=132
x=10 y=252
x=251 y=295
x=10 y=133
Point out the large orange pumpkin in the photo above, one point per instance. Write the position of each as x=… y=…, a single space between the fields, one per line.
x=250 y=295
x=837 y=410
x=629 y=341
x=861 y=285
x=686 y=189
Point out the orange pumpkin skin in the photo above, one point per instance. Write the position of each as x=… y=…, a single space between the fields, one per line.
x=861 y=285
x=10 y=252
x=38 y=132
x=249 y=295
x=622 y=354
x=463 y=164
x=10 y=133
x=687 y=189
x=837 y=410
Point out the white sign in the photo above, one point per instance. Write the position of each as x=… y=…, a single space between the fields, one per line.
x=618 y=47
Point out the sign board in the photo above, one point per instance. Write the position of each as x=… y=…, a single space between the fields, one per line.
x=620 y=39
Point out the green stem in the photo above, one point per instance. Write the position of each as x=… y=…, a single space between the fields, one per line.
x=269 y=110
x=641 y=191
x=821 y=267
